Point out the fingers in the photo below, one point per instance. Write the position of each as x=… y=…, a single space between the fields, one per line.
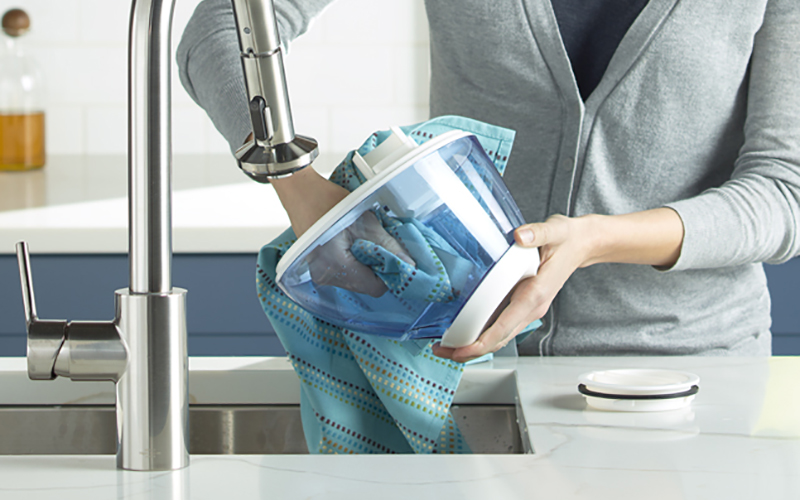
x=514 y=314
x=361 y=279
x=332 y=264
x=563 y=248
x=528 y=302
x=489 y=341
x=486 y=343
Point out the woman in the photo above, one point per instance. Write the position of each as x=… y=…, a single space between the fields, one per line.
x=657 y=140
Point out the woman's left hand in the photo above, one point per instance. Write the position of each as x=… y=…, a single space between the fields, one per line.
x=564 y=245
x=652 y=237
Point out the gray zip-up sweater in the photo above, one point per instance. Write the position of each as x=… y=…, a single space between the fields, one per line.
x=698 y=110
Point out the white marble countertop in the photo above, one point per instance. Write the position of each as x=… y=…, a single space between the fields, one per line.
x=740 y=439
x=78 y=204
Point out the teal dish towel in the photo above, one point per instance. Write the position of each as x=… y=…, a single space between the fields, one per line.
x=362 y=393
x=439 y=270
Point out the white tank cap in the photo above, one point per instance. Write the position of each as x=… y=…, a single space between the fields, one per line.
x=389 y=151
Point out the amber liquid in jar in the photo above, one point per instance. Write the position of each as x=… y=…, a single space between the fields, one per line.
x=22 y=141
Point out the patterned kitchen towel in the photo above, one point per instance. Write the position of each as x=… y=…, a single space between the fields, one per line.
x=363 y=393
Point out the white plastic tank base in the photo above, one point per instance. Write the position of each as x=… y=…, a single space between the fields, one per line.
x=517 y=264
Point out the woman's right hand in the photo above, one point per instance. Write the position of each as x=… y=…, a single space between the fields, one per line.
x=307 y=196
x=334 y=264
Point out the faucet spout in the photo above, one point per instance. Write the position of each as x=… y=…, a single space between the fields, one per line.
x=150 y=147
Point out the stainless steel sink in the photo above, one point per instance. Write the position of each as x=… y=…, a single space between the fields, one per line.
x=219 y=429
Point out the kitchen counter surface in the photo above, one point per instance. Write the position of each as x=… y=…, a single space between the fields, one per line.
x=740 y=439
x=78 y=204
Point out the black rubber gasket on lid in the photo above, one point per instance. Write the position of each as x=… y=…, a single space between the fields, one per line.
x=674 y=395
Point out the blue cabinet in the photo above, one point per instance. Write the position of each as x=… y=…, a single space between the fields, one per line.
x=224 y=316
x=784 y=287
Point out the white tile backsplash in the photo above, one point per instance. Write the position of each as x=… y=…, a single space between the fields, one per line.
x=341 y=74
x=53 y=22
x=188 y=130
x=374 y=22
x=362 y=66
x=104 y=20
x=411 y=78
x=106 y=129
x=84 y=76
x=313 y=121
x=64 y=126
x=352 y=125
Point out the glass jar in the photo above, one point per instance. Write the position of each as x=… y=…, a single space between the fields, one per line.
x=22 y=141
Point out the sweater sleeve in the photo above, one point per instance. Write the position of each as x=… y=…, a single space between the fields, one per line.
x=755 y=216
x=209 y=66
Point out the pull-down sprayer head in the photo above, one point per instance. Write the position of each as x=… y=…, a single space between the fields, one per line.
x=273 y=150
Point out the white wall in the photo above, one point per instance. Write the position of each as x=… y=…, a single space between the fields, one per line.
x=362 y=66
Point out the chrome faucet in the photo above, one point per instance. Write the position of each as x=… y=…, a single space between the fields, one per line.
x=144 y=348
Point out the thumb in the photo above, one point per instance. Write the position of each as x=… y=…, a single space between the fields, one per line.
x=532 y=235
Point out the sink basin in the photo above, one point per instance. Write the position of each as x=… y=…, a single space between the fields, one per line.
x=219 y=429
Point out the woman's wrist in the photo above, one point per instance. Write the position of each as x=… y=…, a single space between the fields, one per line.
x=597 y=236
x=307 y=196
x=294 y=184
x=652 y=237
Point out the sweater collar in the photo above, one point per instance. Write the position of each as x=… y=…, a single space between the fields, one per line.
x=544 y=27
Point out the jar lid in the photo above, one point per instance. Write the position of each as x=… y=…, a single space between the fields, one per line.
x=16 y=22
x=638 y=390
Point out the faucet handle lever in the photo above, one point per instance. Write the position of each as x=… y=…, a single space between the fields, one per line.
x=26 y=282
x=45 y=338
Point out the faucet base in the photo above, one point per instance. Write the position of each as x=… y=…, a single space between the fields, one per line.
x=152 y=394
